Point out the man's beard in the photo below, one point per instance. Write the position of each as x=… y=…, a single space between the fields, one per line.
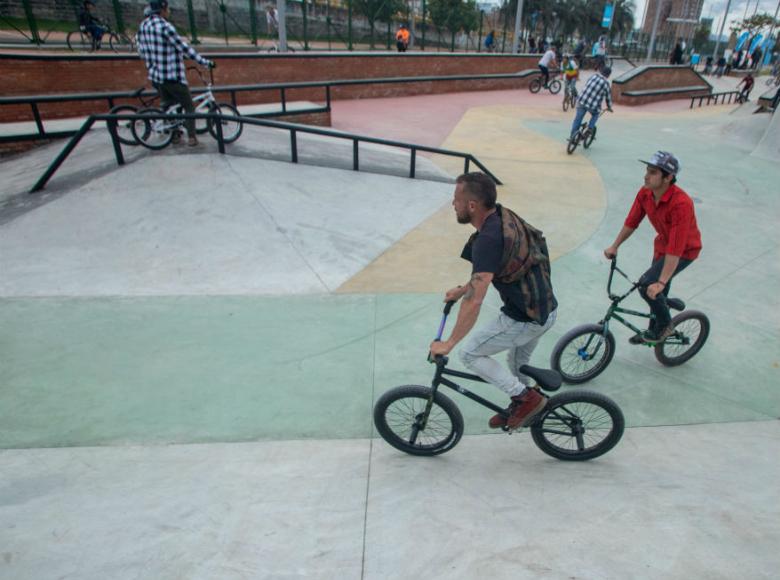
x=463 y=219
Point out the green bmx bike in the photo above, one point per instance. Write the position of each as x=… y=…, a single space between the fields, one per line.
x=585 y=351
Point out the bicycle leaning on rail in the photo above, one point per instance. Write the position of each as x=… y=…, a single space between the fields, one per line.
x=573 y=426
x=585 y=351
x=151 y=128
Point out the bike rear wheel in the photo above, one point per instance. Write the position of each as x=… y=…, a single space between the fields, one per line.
x=152 y=129
x=555 y=87
x=578 y=425
x=124 y=129
x=591 y=135
x=583 y=353
x=691 y=329
x=398 y=417
x=565 y=102
x=231 y=130
x=535 y=85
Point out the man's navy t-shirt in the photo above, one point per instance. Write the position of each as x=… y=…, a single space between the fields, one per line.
x=485 y=255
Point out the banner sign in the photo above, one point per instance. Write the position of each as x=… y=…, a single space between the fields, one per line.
x=606 y=20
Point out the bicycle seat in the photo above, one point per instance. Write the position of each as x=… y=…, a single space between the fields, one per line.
x=548 y=379
x=675 y=303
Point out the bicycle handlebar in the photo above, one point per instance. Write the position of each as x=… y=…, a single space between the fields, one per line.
x=447 y=308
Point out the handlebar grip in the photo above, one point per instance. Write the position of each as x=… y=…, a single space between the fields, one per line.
x=448 y=306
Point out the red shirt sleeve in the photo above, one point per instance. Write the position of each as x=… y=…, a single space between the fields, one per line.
x=681 y=217
x=636 y=214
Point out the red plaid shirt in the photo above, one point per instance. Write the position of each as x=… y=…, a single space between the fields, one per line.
x=674 y=220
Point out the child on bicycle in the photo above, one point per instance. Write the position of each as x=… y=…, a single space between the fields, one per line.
x=571 y=73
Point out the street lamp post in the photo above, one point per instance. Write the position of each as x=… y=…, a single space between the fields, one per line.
x=720 y=33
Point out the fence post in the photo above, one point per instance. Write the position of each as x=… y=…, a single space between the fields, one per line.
x=120 y=21
x=294 y=145
x=355 y=163
x=422 y=44
x=389 y=23
x=305 y=28
x=253 y=21
x=327 y=20
x=503 y=34
x=31 y=22
x=479 y=42
x=349 y=24
x=223 y=9
x=120 y=159
x=412 y=163
x=193 y=28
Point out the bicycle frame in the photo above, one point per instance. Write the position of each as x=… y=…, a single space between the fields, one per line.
x=201 y=103
x=614 y=310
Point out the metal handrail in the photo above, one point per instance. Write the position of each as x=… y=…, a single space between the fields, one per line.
x=711 y=96
x=293 y=128
x=34 y=100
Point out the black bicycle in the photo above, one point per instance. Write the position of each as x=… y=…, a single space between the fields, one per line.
x=81 y=40
x=569 y=97
x=573 y=426
x=584 y=135
x=585 y=351
x=554 y=85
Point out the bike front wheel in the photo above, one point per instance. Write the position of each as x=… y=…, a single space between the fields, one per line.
x=555 y=87
x=578 y=425
x=535 y=85
x=589 y=138
x=78 y=40
x=400 y=418
x=583 y=353
x=231 y=130
x=566 y=102
x=572 y=144
x=124 y=129
x=152 y=129
x=691 y=329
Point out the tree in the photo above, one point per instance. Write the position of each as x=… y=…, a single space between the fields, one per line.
x=454 y=15
x=375 y=10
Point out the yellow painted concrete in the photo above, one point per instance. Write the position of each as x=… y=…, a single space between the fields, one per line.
x=560 y=194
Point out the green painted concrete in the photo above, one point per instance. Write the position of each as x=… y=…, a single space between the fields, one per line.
x=198 y=369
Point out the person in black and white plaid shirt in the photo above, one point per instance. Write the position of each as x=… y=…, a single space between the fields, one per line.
x=164 y=51
x=596 y=90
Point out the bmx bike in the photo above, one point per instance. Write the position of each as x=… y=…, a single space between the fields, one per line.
x=584 y=135
x=573 y=426
x=585 y=351
x=81 y=40
x=553 y=85
x=569 y=97
x=153 y=128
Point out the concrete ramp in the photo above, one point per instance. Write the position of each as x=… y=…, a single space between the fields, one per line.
x=211 y=224
x=769 y=145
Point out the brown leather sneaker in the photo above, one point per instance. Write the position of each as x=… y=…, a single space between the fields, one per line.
x=524 y=407
x=496 y=422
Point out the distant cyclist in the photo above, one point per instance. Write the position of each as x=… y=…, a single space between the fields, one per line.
x=571 y=73
x=545 y=63
x=596 y=90
x=91 y=24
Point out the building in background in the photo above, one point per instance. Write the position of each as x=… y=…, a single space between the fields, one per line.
x=679 y=18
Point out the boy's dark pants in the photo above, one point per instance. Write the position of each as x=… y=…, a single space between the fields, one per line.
x=658 y=306
x=173 y=92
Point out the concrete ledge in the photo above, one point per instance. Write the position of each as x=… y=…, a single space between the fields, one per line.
x=664 y=91
x=650 y=83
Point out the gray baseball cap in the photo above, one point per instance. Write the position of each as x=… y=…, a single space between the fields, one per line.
x=665 y=161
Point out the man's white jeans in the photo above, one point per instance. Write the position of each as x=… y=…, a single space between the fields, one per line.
x=505 y=333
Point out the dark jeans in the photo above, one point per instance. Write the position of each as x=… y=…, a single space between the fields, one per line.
x=173 y=92
x=658 y=306
x=545 y=74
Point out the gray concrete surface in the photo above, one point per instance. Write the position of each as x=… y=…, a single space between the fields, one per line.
x=675 y=503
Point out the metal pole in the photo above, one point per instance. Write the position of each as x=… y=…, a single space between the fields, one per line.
x=479 y=42
x=281 y=8
x=518 y=19
x=410 y=21
x=223 y=9
x=349 y=24
x=31 y=22
x=503 y=33
x=422 y=23
x=651 y=46
x=305 y=29
x=722 y=25
x=193 y=28
x=120 y=22
x=253 y=21
x=327 y=20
